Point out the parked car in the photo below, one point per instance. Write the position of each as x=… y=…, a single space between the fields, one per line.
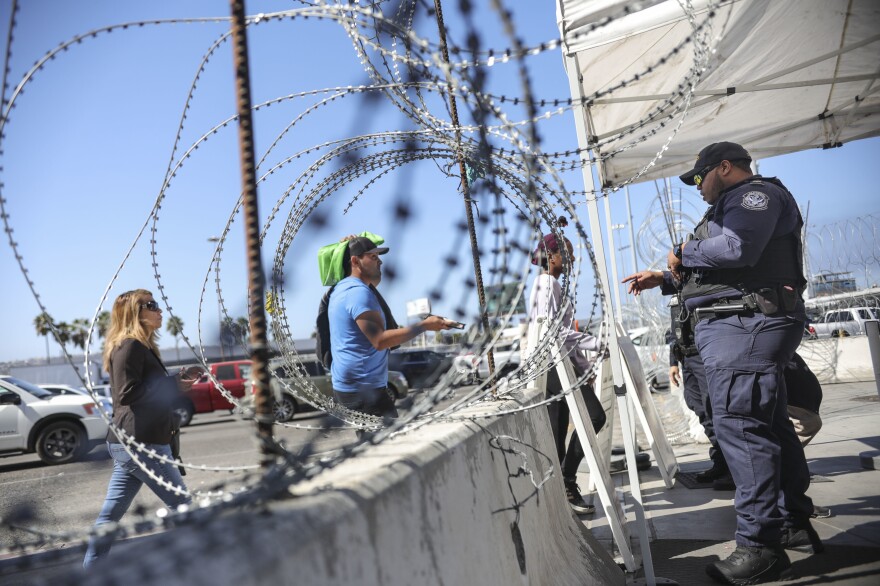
x=204 y=396
x=103 y=391
x=288 y=405
x=58 y=389
x=840 y=323
x=654 y=357
x=59 y=428
x=421 y=367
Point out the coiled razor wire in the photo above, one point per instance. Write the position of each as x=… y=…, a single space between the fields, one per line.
x=521 y=188
x=848 y=246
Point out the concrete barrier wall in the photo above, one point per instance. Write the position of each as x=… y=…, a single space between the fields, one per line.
x=839 y=360
x=449 y=504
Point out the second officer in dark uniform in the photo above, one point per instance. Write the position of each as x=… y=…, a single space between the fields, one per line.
x=692 y=374
x=742 y=276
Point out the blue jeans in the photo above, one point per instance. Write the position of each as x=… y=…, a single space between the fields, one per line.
x=125 y=483
x=370 y=401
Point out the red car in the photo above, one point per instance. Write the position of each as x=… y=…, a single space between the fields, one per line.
x=205 y=397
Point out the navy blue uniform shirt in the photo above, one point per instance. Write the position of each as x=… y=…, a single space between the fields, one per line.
x=746 y=217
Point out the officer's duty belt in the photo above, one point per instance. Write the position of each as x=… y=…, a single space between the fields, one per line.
x=735 y=306
x=689 y=351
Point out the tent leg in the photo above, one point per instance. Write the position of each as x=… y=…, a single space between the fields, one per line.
x=581 y=120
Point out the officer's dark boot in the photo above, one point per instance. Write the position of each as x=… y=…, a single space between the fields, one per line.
x=724 y=483
x=752 y=565
x=802 y=537
x=717 y=470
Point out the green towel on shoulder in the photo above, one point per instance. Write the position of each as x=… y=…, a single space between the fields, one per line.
x=330 y=259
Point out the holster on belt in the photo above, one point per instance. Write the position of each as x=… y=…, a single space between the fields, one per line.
x=681 y=351
x=773 y=300
x=764 y=300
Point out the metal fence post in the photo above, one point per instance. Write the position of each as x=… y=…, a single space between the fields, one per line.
x=257 y=314
x=469 y=213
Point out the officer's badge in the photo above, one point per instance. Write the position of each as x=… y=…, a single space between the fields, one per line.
x=755 y=200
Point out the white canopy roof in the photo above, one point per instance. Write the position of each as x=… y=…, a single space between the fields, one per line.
x=785 y=75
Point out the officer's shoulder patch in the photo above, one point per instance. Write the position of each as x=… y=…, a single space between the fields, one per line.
x=755 y=200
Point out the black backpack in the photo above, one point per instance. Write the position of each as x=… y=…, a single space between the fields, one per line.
x=322 y=330
x=802 y=386
x=322 y=325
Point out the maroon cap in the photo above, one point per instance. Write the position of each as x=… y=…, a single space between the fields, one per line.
x=548 y=244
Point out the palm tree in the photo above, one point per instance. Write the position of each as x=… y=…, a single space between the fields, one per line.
x=103 y=326
x=244 y=328
x=103 y=323
x=43 y=325
x=174 y=325
x=62 y=334
x=79 y=332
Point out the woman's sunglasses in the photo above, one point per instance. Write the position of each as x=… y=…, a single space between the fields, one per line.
x=151 y=305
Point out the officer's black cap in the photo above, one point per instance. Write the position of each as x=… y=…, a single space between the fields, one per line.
x=713 y=154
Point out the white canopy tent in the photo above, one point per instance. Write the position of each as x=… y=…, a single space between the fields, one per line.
x=784 y=76
x=664 y=80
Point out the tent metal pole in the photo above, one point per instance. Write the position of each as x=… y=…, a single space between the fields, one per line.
x=581 y=118
x=739 y=89
x=615 y=278
x=632 y=239
x=715 y=95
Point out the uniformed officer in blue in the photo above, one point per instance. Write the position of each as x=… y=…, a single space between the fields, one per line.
x=742 y=276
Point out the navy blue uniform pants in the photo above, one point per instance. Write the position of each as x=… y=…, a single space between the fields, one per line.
x=696 y=397
x=744 y=356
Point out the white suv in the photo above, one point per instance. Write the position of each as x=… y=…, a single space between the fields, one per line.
x=59 y=428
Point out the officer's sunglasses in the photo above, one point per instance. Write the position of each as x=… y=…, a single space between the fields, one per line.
x=151 y=305
x=699 y=177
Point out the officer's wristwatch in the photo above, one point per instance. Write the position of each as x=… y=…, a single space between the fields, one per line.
x=677 y=251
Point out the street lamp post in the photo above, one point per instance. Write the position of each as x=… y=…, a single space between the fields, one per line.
x=215 y=240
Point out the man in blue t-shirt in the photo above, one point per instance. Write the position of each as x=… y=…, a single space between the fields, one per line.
x=358 y=338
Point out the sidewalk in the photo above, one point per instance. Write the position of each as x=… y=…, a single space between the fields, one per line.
x=692 y=527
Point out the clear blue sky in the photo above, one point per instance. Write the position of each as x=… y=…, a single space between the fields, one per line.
x=88 y=144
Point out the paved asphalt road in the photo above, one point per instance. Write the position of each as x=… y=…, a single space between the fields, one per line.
x=57 y=499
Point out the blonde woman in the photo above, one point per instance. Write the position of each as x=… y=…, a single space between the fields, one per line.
x=143 y=396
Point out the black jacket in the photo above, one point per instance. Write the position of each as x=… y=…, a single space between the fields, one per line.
x=143 y=394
